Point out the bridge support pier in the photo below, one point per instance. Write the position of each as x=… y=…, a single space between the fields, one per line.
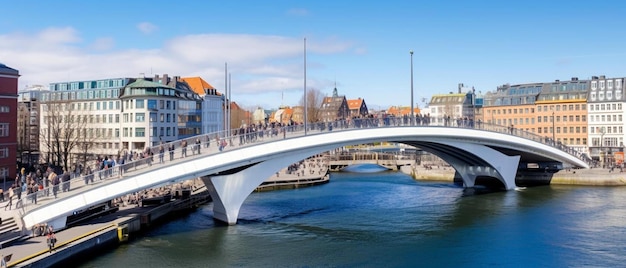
x=231 y=190
x=505 y=166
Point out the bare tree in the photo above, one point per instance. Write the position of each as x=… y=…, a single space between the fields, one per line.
x=87 y=138
x=314 y=98
x=66 y=134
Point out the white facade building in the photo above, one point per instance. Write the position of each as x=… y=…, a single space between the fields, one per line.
x=113 y=116
x=606 y=113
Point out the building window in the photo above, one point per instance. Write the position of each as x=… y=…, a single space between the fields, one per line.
x=152 y=104
x=140 y=132
x=4 y=109
x=139 y=104
x=4 y=130
x=4 y=152
x=4 y=172
x=140 y=117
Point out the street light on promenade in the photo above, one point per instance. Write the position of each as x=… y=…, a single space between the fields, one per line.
x=553 y=130
x=412 y=112
x=602 y=155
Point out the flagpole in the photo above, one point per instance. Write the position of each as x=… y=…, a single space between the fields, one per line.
x=226 y=98
x=306 y=108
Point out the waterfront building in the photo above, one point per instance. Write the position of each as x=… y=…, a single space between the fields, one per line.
x=357 y=108
x=334 y=108
x=212 y=104
x=556 y=110
x=606 y=110
x=401 y=111
x=81 y=118
x=298 y=114
x=455 y=106
x=28 y=124
x=8 y=122
x=512 y=105
x=108 y=117
x=562 y=112
x=260 y=116
x=283 y=115
x=156 y=111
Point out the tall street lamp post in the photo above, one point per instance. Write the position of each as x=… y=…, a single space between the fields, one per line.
x=412 y=112
x=602 y=155
x=553 y=131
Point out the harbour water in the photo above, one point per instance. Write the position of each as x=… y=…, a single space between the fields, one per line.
x=390 y=220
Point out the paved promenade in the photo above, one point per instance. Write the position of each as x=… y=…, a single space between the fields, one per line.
x=35 y=248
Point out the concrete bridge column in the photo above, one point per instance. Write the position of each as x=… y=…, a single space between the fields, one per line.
x=230 y=191
x=466 y=173
x=506 y=166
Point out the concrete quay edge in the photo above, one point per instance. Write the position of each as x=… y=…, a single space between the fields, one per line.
x=580 y=177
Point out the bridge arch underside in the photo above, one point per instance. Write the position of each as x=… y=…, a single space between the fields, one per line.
x=474 y=161
x=229 y=189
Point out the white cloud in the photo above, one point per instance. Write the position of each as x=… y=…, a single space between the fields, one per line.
x=59 y=35
x=147 y=28
x=258 y=63
x=104 y=43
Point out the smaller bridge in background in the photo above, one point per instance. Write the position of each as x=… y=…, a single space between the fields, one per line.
x=391 y=161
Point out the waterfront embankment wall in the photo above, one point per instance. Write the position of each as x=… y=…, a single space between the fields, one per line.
x=583 y=177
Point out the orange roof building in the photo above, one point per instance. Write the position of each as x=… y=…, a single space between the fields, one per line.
x=357 y=107
x=200 y=87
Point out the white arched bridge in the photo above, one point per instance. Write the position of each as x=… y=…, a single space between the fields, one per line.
x=232 y=174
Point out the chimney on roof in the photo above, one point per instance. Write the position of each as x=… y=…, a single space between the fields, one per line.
x=557 y=80
x=574 y=78
x=594 y=78
x=460 y=88
x=602 y=77
x=177 y=78
x=156 y=78
x=165 y=81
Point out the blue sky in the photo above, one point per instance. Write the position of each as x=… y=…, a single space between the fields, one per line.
x=362 y=46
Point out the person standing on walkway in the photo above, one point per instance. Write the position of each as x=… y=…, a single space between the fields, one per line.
x=198 y=145
x=183 y=151
x=18 y=190
x=66 y=181
x=161 y=153
x=54 y=180
x=171 y=151
x=10 y=204
x=51 y=239
x=3 y=262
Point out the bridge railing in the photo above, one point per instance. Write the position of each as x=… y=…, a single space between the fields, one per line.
x=214 y=143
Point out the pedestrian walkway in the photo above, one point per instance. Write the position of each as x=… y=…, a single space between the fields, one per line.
x=32 y=249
